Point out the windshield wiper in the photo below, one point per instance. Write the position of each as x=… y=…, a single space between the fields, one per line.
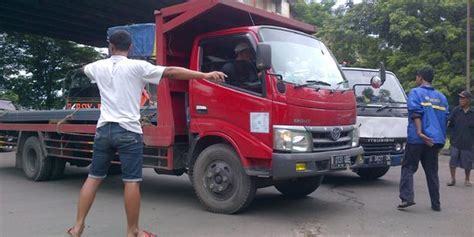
x=382 y=108
x=312 y=82
x=339 y=85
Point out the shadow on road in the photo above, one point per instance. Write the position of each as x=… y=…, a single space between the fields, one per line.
x=171 y=190
x=348 y=179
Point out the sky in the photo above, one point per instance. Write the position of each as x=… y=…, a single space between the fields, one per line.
x=342 y=2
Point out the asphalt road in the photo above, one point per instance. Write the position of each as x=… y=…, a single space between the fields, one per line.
x=344 y=206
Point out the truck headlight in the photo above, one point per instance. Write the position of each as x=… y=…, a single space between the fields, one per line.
x=355 y=137
x=400 y=147
x=292 y=138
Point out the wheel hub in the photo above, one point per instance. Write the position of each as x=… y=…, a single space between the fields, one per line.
x=219 y=178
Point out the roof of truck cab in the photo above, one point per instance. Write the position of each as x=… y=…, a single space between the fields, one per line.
x=254 y=29
x=364 y=69
x=178 y=26
x=213 y=15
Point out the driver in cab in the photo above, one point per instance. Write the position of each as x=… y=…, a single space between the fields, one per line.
x=241 y=72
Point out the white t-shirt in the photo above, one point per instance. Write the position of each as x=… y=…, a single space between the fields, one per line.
x=120 y=81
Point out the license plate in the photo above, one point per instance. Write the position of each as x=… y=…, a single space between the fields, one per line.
x=340 y=162
x=378 y=160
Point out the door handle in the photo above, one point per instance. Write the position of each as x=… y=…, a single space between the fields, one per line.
x=201 y=109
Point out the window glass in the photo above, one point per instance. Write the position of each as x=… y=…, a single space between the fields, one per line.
x=235 y=56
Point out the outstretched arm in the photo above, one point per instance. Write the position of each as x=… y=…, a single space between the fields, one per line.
x=180 y=73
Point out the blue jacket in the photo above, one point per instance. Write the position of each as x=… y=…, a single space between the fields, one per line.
x=433 y=108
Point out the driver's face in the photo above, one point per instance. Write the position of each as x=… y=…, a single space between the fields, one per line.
x=246 y=55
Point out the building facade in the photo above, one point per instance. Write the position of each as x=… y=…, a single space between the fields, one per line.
x=281 y=7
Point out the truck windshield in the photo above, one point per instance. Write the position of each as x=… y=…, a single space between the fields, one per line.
x=82 y=88
x=390 y=92
x=302 y=59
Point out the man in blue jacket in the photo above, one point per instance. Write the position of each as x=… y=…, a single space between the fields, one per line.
x=427 y=121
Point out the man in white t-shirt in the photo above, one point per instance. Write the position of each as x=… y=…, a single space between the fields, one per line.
x=120 y=81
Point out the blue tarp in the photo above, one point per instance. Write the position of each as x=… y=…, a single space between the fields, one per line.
x=143 y=38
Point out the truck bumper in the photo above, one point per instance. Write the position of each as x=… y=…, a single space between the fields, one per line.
x=376 y=161
x=284 y=165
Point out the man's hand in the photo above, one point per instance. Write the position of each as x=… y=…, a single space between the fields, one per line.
x=215 y=76
x=428 y=141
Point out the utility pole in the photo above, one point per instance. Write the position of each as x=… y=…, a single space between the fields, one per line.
x=468 y=47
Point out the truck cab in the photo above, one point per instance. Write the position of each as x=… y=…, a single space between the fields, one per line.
x=382 y=117
x=281 y=116
x=80 y=92
x=6 y=142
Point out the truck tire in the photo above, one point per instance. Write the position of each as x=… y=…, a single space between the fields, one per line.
x=372 y=173
x=220 y=182
x=57 y=169
x=299 y=187
x=36 y=166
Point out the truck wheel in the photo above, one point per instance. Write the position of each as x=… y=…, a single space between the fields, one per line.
x=220 y=182
x=36 y=166
x=114 y=169
x=372 y=173
x=57 y=169
x=299 y=187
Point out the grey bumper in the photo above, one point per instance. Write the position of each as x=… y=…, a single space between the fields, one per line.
x=284 y=164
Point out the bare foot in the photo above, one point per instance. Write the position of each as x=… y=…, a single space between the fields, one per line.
x=147 y=234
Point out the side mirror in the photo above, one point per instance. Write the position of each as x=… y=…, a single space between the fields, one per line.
x=264 y=56
x=376 y=82
x=383 y=74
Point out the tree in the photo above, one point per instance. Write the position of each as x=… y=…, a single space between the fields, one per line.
x=32 y=67
x=406 y=35
x=8 y=95
x=313 y=13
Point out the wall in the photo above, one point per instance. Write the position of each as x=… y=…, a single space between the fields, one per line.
x=281 y=7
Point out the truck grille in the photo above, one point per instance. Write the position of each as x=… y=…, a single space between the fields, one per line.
x=378 y=148
x=324 y=140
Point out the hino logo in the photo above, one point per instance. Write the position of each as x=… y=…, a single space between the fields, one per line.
x=298 y=120
x=336 y=133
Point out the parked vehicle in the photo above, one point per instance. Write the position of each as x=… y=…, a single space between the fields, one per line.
x=6 y=105
x=286 y=122
x=6 y=142
x=382 y=115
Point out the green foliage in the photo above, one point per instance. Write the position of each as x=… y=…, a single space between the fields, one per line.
x=8 y=95
x=406 y=35
x=312 y=13
x=33 y=67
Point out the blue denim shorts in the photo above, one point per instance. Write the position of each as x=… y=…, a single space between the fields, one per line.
x=111 y=139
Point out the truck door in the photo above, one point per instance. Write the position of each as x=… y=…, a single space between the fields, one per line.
x=239 y=107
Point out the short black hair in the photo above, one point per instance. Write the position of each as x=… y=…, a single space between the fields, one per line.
x=121 y=39
x=426 y=73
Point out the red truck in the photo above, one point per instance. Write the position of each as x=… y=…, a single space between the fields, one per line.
x=287 y=123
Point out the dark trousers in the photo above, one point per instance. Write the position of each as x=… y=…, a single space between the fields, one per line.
x=428 y=156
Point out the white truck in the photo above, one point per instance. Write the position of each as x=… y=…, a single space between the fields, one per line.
x=382 y=117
